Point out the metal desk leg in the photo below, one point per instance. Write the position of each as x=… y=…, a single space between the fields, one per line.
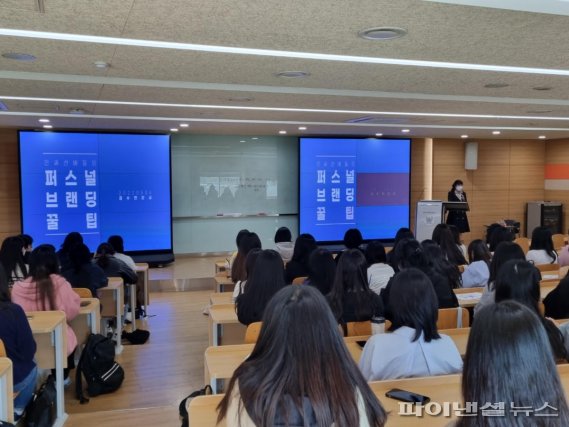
x=59 y=357
x=120 y=303
x=132 y=289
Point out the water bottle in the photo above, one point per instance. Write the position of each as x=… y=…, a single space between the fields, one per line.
x=377 y=325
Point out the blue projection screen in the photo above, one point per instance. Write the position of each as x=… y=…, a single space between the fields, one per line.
x=99 y=185
x=354 y=183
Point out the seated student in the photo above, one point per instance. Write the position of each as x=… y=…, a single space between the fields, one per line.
x=18 y=340
x=477 y=272
x=402 y=234
x=541 y=248
x=508 y=360
x=238 y=238
x=413 y=348
x=442 y=235
x=71 y=240
x=412 y=255
x=505 y=251
x=113 y=267
x=117 y=243
x=298 y=265
x=287 y=378
x=353 y=239
x=500 y=234
x=378 y=272
x=249 y=267
x=247 y=242
x=557 y=301
x=518 y=280
x=28 y=246
x=322 y=270
x=46 y=290
x=351 y=299
x=85 y=274
x=12 y=259
x=456 y=235
x=267 y=279
x=441 y=269
x=283 y=243
x=564 y=256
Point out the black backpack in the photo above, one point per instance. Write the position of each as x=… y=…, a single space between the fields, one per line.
x=184 y=403
x=97 y=364
x=41 y=410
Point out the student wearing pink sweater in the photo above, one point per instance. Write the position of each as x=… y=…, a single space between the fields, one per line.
x=46 y=290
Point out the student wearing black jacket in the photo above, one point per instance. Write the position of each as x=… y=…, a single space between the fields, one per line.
x=84 y=273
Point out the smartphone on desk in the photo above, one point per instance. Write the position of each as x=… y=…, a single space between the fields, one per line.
x=407 y=396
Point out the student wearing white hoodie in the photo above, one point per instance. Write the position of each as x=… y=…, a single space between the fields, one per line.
x=284 y=243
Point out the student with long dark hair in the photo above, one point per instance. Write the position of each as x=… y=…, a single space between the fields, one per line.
x=322 y=270
x=541 y=250
x=16 y=335
x=440 y=267
x=443 y=236
x=378 y=271
x=46 y=290
x=412 y=255
x=113 y=267
x=557 y=301
x=265 y=281
x=518 y=280
x=63 y=254
x=509 y=359
x=249 y=267
x=12 y=259
x=414 y=348
x=499 y=235
x=84 y=273
x=240 y=234
x=283 y=243
x=351 y=299
x=505 y=252
x=117 y=242
x=247 y=242
x=477 y=272
x=28 y=246
x=298 y=265
x=299 y=372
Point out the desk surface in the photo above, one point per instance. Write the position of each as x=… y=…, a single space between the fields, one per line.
x=223 y=313
x=45 y=322
x=114 y=282
x=222 y=279
x=217 y=298
x=445 y=388
x=141 y=267
x=467 y=298
x=93 y=305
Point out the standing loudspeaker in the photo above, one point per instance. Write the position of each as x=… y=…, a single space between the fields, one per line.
x=471 y=156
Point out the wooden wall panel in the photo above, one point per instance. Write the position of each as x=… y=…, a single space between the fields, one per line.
x=417 y=177
x=9 y=184
x=509 y=174
x=556 y=152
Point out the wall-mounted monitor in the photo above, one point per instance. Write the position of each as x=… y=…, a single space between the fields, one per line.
x=354 y=183
x=98 y=184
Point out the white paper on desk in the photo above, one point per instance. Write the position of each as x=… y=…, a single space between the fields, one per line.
x=469 y=296
x=549 y=276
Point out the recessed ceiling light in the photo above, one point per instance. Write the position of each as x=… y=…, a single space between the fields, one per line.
x=254 y=138
x=43 y=120
x=282 y=132
x=174 y=130
x=378 y=134
x=542 y=88
x=496 y=85
x=382 y=33
x=184 y=125
x=542 y=137
x=101 y=65
x=242 y=140
x=19 y=56
x=405 y=130
x=47 y=126
x=302 y=128
x=293 y=74
x=496 y=132
x=464 y=136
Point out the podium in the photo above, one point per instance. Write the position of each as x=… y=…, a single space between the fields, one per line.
x=431 y=213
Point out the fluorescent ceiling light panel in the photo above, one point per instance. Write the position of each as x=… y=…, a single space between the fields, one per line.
x=280 y=109
x=275 y=122
x=275 y=53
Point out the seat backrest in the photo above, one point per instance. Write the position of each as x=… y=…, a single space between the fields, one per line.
x=2 y=349
x=558 y=241
x=83 y=292
x=358 y=328
x=299 y=280
x=252 y=332
x=451 y=318
x=523 y=242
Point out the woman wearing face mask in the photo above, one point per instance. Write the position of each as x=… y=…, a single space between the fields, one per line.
x=456 y=217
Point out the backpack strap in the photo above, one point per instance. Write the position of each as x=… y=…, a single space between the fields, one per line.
x=79 y=378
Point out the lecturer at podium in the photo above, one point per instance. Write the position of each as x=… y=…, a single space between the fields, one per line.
x=458 y=218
